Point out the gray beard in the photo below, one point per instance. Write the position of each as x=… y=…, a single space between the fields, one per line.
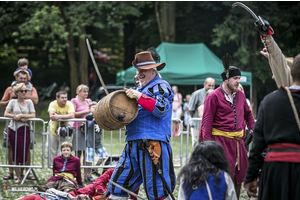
x=141 y=84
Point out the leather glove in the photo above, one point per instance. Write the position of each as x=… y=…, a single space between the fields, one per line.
x=89 y=117
x=263 y=26
x=249 y=137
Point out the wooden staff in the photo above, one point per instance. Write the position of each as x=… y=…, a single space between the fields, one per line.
x=95 y=65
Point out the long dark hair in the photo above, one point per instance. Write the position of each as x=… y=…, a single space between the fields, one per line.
x=207 y=158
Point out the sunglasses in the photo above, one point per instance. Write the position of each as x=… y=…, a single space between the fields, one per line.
x=23 y=91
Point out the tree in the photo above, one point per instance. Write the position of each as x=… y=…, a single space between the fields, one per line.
x=238 y=31
x=135 y=22
x=68 y=22
x=59 y=25
x=124 y=28
x=165 y=16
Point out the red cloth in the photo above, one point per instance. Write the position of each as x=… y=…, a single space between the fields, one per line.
x=147 y=102
x=271 y=32
x=98 y=188
x=293 y=157
x=73 y=167
x=33 y=197
x=20 y=137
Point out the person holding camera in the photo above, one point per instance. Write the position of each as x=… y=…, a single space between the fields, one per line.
x=93 y=144
x=59 y=109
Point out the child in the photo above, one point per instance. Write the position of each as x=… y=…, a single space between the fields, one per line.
x=206 y=176
x=93 y=143
x=23 y=66
x=65 y=169
x=187 y=115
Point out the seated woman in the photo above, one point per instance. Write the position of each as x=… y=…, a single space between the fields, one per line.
x=20 y=110
x=206 y=176
x=65 y=169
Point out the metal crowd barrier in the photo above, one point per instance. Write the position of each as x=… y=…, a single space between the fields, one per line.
x=106 y=139
x=77 y=131
x=33 y=133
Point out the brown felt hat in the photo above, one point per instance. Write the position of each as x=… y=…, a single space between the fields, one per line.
x=144 y=60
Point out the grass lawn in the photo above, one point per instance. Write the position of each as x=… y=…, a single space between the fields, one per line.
x=112 y=141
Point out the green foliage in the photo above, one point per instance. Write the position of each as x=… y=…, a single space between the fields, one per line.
x=47 y=24
x=122 y=28
x=117 y=11
x=7 y=51
x=237 y=31
x=8 y=64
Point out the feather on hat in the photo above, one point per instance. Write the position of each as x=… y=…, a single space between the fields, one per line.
x=229 y=71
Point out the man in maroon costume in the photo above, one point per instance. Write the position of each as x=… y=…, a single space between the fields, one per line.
x=224 y=121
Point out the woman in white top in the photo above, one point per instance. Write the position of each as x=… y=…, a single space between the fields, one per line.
x=19 y=110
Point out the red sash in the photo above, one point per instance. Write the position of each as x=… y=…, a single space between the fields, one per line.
x=283 y=152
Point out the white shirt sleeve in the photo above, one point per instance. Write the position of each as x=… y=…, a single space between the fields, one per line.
x=181 y=194
x=230 y=191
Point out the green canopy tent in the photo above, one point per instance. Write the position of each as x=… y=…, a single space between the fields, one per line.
x=186 y=64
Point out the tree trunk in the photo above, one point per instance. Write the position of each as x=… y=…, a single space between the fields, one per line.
x=83 y=65
x=166 y=23
x=73 y=66
x=129 y=45
x=157 y=14
x=71 y=54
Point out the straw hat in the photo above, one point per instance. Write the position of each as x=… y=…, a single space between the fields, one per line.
x=144 y=60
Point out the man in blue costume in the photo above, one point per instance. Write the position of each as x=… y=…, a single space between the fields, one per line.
x=147 y=136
